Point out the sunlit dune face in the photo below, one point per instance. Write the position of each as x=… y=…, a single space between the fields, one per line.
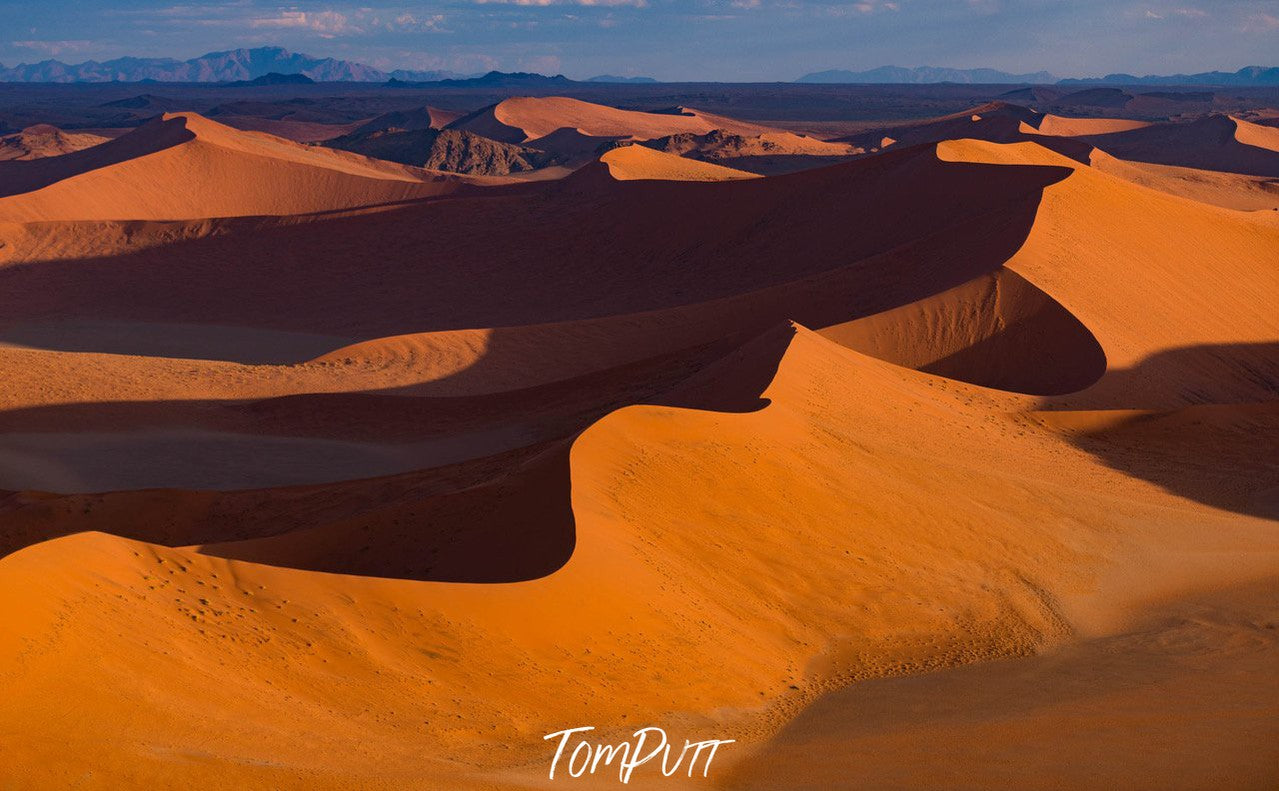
x=925 y=452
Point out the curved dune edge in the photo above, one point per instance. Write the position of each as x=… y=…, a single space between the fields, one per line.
x=899 y=578
x=996 y=331
x=43 y=140
x=537 y=117
x=1193 y=357
x=1256 y=135
x=1218 y=143
x=183 y=166
x=1137 y=707
x=1175 y=289
x=632 y=163
x=1061 y=126
x=868 y=521
x=1227 y=190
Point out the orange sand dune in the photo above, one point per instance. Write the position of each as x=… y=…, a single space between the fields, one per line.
x=364 y=272
x=815 y=581
x=297 y=131
x=630 y=163
x=622 y=464
x=767 y=154
x=1185 y=290
x=829 y=290
x=184 y=166
x=998 y=121
x=407 y=120
x=1217 y=142
x=42 y=140
x=523 y=119
x=1164 y=704
x=1061 y=126
x=1229 y=190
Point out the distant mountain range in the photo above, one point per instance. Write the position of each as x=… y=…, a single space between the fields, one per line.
x=1249 y=76
x=230 y=66
x=925 y=74
x=494 y=79
x=613 y=78
x=270 y=65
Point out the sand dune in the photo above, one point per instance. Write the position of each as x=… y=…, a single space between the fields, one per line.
x=289 y=129
x=42 y=140
x=1125 y=709
x=183 y=166
x=446 y=476
x=1185 y=277
x=1061 y=126
x=996 y=121
x=407 y=121
x=997 y=330
x=1229 y=190
x=537 y=121
x=1216 y=142
x=867 y=601
x=766 y=154
x=631 y=163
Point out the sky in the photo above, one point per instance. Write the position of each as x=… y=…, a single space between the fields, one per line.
x=729 y=40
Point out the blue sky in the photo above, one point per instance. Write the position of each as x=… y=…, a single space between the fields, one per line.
x=671 y=39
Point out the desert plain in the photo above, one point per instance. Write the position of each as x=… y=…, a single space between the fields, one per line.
x=360 y=440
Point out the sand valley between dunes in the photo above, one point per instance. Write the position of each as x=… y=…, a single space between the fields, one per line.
x=951 y=464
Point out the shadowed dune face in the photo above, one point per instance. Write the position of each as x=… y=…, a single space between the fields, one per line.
x=632 y=163
x=680 y=244
x=557 y=450
x=179 y=341
x=1229 y=190
x=184 y=166
x=466 y=535
x=1217 y=142
x=440 y=523
x=515 y=528
x=522 y=119
x=996 y=331
x=1212 y=452
x=42 y=140
x=155 y=136
x=996 y=122
x=1182 y=680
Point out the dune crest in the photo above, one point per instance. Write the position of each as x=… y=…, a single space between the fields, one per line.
x=837 y=590
x=631 y=163
x=183 y=166
x=523 y=119
x=284 y=440
x=43 y=140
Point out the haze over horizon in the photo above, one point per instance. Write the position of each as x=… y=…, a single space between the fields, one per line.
x=723 y=40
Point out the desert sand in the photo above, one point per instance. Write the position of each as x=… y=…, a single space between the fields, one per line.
x=43 y=140
x=182 y=166
x=947 y=466
x=637 y=163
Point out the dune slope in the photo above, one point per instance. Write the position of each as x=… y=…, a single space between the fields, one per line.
x=183 y=167
x=643 y=423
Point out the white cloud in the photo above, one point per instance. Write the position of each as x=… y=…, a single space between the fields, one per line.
x=326 y=23
x=542 y=3
x=407 y=22
x=874 y=6
x=54 y=48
